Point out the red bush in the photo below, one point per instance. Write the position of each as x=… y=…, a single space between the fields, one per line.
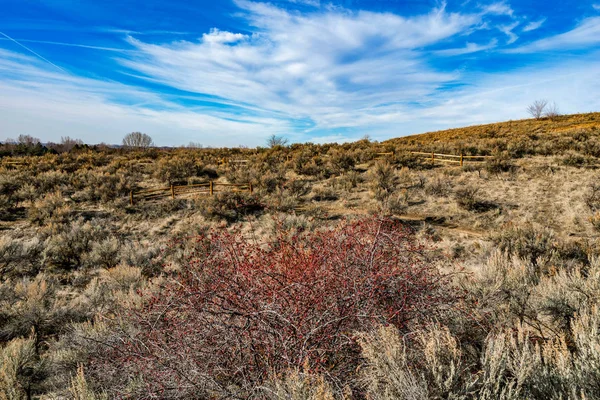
x=243 y=310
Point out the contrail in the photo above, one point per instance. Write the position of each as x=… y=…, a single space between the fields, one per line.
x=33 y=52
x=85 y=46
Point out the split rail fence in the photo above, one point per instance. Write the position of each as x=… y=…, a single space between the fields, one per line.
x=209 y=188
x=452 y=158
x=382 y=156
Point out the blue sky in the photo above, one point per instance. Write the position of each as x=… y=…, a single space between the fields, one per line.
x=233 y=72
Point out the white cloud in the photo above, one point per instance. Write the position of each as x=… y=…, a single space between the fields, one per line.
x=596 y=7
x=307 y=76
x=469 y=48
x=585 y=34
x=508 y=31
x=217 y=36
x=329 y=67
x=50 y=104
x=500 y=8
x=532 y=26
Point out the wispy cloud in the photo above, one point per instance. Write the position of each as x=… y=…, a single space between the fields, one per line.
x=596 y=6
x=499 y=8
x=585 y=34
x=532 y=26
x=469 y=48
x=66 y=104
x=323 y=74
x=508 y=31
x=334 y=67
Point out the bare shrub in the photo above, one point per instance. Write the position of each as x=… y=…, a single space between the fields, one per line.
x=552 y=111
x=536 y=109
x=241 y=311
x=276 y=141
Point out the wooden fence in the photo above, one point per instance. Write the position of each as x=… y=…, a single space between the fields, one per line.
x=382 y=156
x=209 y=188
x=13 y=162
x=451 y=158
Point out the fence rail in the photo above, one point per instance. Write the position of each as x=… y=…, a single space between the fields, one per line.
x=209 y=188
x=460 y=159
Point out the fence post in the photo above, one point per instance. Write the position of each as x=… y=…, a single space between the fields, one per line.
x=250 y=187
x=211 y=188
x=172 y=192
x=432 y=157
x=131 y=197
x=461 y=160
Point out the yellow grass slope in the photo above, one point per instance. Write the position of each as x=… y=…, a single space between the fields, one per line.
x=541 y=129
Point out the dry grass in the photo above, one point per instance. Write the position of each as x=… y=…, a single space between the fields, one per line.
x=520 y=231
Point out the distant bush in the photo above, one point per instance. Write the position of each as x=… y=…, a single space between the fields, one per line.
x=573 y=159
x=324 y=194
x=177 y=169
x=230 y=206
x=383 y=180
x=499 y=163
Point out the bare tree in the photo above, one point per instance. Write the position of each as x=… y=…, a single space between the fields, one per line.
x=536 y=110
x=137 y=140
x=27 y=140
x=552 y=111
x=67 y=143
x=274 y=141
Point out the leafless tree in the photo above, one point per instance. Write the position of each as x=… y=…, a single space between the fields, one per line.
x=536 y=110
x=137 y=140
x=552 y=111
x=67 y=143
x=274 y=141
x=27 y=140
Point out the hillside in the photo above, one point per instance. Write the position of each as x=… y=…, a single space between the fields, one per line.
x=307 y=271
x=577 y=132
